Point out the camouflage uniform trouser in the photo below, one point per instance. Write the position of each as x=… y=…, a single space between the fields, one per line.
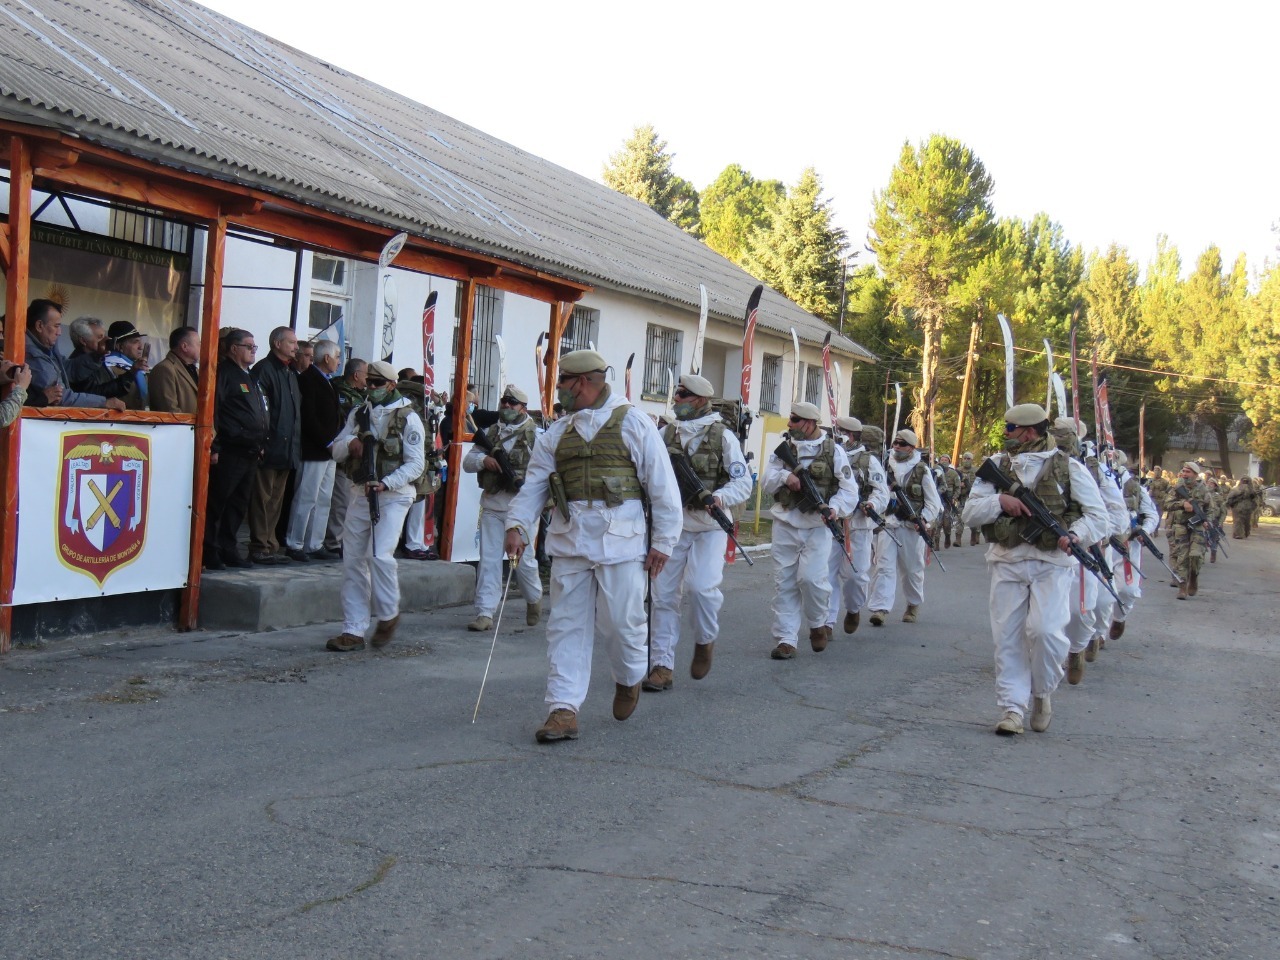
x=1241 y=523
x=1186 y=550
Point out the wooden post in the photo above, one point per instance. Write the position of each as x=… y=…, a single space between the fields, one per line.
x=15 y=349
x=964 y=391
x=461 y=369
x=561 y=311
x=210 y=321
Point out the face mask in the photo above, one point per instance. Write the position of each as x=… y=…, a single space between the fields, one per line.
x=508 y=415
x=567 y=399
x=1011 y=445
x=685 y=411
x=902 y=453
x=471 y=408
x=378 y=394
x=796 y=433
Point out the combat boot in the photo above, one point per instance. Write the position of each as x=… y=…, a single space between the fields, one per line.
x=1182 y=590
x=973 y=538
x=1075 y=667
x=1193 y=582
x=910 y=615
x=701 y=664
x=819 y=637
x=561 y=724
x=659 y=679
x=624 y=700
x=1091 y=651
x=851 y=620
x=1041 y=713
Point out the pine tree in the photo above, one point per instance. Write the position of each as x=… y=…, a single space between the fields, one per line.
x=733 y=207
x=642 y=169
x=799 y=252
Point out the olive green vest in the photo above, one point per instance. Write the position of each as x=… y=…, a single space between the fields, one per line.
x=390 y=456
x=1132 y=493
x=823 y=471
x=600 y=469
x=492 y=481
x=1053 y=487
x=707 y=461
x=862 y=473
x=911 y=489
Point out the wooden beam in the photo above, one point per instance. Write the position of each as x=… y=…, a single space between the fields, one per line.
x=78 y=414
x=4 y=247
x=534 y=290
x=347 y=239
x=210 y=321
x=560 y=314
x=422 y=262
x=132 y=188
x=462 y=365
x=15 y=348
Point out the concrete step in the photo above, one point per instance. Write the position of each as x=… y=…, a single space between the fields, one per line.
x=290 y=595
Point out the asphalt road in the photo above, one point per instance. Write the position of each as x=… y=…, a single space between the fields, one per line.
x=220 y=796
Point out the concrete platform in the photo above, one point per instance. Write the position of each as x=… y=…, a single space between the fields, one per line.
x=294 y=594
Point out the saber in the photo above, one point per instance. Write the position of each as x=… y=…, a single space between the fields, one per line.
x=1007 y=334
x=497 y=625
x=695 y=362
x=1048 y=353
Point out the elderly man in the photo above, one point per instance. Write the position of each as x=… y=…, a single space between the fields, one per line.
x=381 y=452
x=126 y=360
x=801 y=539
x=700 y=435
x=850 y=578
x=85 y=367
x=173 y=381
x=240 y=434
x=911 y=482
x=515 y=434
x=598 y=463
x=279 y=385
x=48 y=369
x=1031 y=569
x=321 y=418
x=351 y=393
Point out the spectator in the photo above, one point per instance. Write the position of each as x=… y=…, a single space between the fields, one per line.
x=304 y=358
x=85 y=369
x=279 y=384
x=240 y=435
x=313 y=489
x=173 y=381
x=127 y=361
x=20 y=377
x=302 y=362
x=408 y=373
x=351 y=391
x=48 y=369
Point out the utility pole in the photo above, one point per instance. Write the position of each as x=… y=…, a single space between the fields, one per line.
x=964 y=391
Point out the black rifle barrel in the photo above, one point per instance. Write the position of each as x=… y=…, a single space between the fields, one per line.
x=691 y=485
x=787 y=454
x=514 y=480
x=914 y=519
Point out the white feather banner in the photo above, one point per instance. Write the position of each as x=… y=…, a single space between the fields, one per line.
x=1007 y=333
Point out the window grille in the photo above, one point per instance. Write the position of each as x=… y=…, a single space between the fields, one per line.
x=771 y=384
x=661 y=354
x=483 y=371
x=582 y=330
x=148 y=227
x=812 y=383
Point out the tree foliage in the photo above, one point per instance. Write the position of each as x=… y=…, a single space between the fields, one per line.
x=643 y=169
x=734 y=206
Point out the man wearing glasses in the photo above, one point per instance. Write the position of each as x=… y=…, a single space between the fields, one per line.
x=387 y=427
x=910 y=479
x=598 y=463
x=240 y=434
x=702 y=435
x=515 y=433
x=1031 y=580
x=801 y=541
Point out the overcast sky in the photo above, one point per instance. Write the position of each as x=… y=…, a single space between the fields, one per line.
x=1122 y=120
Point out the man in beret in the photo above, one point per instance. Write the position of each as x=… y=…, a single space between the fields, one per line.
x=801 y=540
x=515 y=433
x=1128 y=565
x=386 y=426
x=701 y=435
x=947 y=479
x=909 y=480
x=597 y=463
x=1187 y=538
x=968 y=469
x=1031 y=580
x=850 y=577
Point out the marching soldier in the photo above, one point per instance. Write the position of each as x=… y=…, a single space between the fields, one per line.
x=910 y=480
x=514 y=434
x=947 y=478
x=598 y=463
x=1128 y=566
x=701 y=435
x=850 y=576
x=1031 y=582
x=1186 y=537
x=1158 y=486
x=1240 y=501
x=801 y=538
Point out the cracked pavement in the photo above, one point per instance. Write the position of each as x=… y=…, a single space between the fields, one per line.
x=251 y=796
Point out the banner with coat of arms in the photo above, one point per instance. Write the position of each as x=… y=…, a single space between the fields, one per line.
x=102 y=510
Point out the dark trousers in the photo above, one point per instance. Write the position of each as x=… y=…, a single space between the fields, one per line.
x=230 y=481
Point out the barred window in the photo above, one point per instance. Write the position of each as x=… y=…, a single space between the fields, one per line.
x=486 y=320
x=770 y=384
x=582 y=330
x=812 y=383
x=661 y=354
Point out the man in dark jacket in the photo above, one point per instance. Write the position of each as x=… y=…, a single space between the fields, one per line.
x=351 y=393
x=279 y=384
x=240 y=424
x=313 y=486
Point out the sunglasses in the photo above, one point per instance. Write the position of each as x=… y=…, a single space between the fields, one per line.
x=794 y=419
x=566 y=377
x=509 y=402
x=682 y=394
x=376 y=381
x=901 y=443
x=1010 y=427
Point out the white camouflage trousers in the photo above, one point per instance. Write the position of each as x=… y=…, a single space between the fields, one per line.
x=803 y=593
x=1029 y=616
x=370 y=577
x=696 y=564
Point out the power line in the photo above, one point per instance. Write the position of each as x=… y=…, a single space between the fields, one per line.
x=1151 y=370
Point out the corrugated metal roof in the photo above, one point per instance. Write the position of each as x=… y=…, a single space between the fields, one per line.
x=174 y=82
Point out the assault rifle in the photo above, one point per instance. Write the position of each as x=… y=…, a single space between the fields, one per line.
x=1141 y=536
x=1212 y=532
x=1043 y=521
x=913 y=518
x=692 y=488
x=1096 y=552
x=513 y=480
x=878 y=520
x=1122 y=548
x=787 y=454
x=368 y=472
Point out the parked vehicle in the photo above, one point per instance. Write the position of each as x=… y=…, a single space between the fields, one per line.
x=1271 y=502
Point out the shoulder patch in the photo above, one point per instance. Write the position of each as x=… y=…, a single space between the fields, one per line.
x=413 y=437
x=846 y=472
x=737 y=469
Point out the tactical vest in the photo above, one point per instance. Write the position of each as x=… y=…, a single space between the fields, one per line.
x=600 y=469
x=707 y=461
x=492 y=481
x=390 y=457
x=1053 y=487
x=911 y=489
x=823 y=471
x=1132 y=493
x=862 y=473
